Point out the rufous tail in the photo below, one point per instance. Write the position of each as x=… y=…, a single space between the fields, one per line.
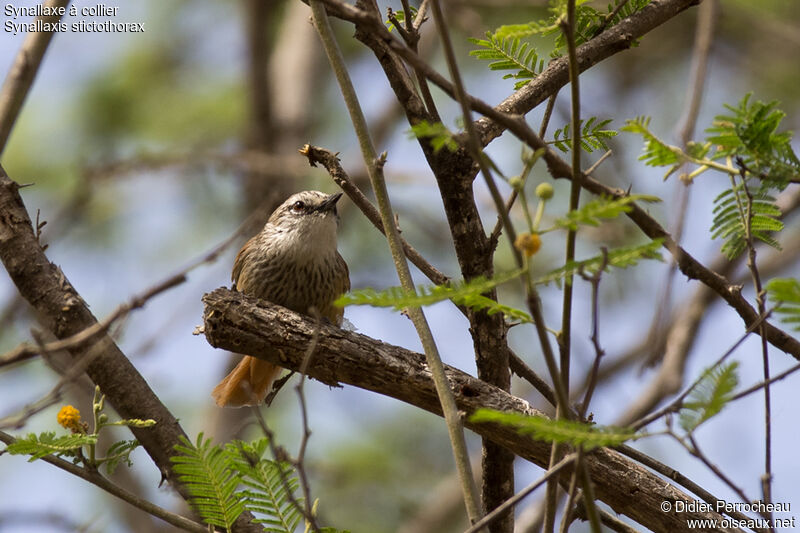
x=247 y=384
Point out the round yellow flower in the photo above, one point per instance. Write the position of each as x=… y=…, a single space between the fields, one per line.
x=70 y=418
x=528 y=243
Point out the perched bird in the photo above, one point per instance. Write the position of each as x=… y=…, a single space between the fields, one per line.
x=292 y=262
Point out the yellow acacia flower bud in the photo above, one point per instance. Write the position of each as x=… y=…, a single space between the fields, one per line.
x=70 y=418
x=528 y=243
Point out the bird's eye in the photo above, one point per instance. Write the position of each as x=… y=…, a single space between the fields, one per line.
x=299 y=206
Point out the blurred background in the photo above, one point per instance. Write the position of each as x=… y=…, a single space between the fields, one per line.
x=146 y=150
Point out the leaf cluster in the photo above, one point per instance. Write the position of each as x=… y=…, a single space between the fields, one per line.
x=570 y=432
x=507 y=50
x=656 y=153
x=750 y=132
x=466 y=293
x=709 y=396
x=73 y=444
x=47 y=443
x=593 y=135
x=739 y=213
x=603 y=207
x=765 y=162
x=623 y=257
x=785 y=294
x=471 y=293
x=225 y=481
x=440 y=137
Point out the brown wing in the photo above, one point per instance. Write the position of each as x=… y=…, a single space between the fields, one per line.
x=341 y=284
x=241 y=259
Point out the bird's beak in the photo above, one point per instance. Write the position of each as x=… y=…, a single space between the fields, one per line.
x=329 y=204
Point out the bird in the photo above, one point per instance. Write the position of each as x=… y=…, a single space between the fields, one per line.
x=293 y=262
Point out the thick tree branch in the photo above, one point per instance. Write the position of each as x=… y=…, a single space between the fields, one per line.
x=238 y=323
x=616 y=39
x=371 y=31
x=62 y=311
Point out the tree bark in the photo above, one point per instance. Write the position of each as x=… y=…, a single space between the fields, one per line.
x=62 y=311
x=235 y=322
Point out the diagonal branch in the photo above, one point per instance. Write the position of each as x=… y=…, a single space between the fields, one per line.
x=238 y=323
x=95 y=478
x=62 y=311
x=22 y=73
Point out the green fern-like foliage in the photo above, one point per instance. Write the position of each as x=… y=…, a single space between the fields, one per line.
x=748 y=134
x=591 y=213
x=562 y=431
x=750 y=131
x=269 y=484
x=440 y=137
x=507 y=50
x=119 y=452
x=509 y=53
x=785 y=294
x=710 y=396
x=469 y=294
x=593 y=135
x=656 y=152
x=734 y=210
x=745 y=144
x=46 y=443
x=207 y=473
x=618 y=258
x=589 y=20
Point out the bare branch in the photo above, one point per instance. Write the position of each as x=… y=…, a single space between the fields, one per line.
x=20 y=78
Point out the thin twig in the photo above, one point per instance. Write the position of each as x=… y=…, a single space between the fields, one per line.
x=677 y=477
x=758 y=386
x=280 y=455
x=511 y=502
x=473 y=140
x=704 y=33
x=330 y=161
x=568 y=28
x=374 y=167
x=26 y=64
x=693 y=448
x=608 y=18
x=572 y=494
x=410 y=35
x=564 y=337
x=73 y=372
x=677 y=403
x=299 y=463
x=25 y=351
x=595 y=337
x=752 y=265
x=95 y=478
x=318 y=155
